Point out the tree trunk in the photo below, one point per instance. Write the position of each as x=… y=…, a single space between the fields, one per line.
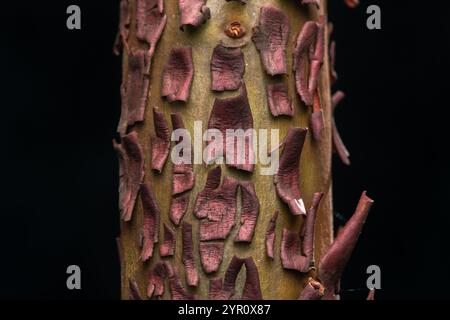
x=315 y=165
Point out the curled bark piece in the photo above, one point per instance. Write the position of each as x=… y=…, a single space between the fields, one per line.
x=279 y=100
x=300 y=256
x=193 y=13
x=150 y=22
x=134 y=90
x=211 y=254
x=371 y=295
x=351 y=3
x=168 y=246
x=183 y=175
x=215 y=290
x=150 y=228
x=134 y=290
x=234 y=114
x=177 y=291
x=335 y=259
x=160 y=142
x=124 y=28
x=178 y=207
x=156 y=278
x=229 y=282
x=287 y=177
x=333 y=73
x=270 y=37
x=270 y=235
x=316 y=2
x=216 y=206
x=227 y=68
x=188 y=255
x=131 y=173
x=177 y=75
x=316 y=59
x=252 y=289
x=317 y=122
x=313 y=290
x=249 y=212
x=338 y=144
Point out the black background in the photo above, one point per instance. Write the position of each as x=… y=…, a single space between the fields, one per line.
x=60 y=106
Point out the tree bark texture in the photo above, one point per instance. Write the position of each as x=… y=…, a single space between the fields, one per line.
x=315 y=165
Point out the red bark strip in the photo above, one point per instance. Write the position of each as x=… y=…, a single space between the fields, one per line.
x=270 y=37
x=371 y=295
x=229 y=282
x=178 y=207
x=156 y=278
x=227 y=68
x=134 y=292
x=335 y=259
x=150 y=228
x=317 y=122
x=249 y=212
x=177 y=291
x=211 y=254
x=150 y=22
x=124 y=28
x=338 y=144
x=193 y=13
x=287 y=177
x=333 y=73
x=131 y=173
x=168 y=246
x=160 y=142
x=270 y=235
x=234 y=114
x=252 y=289
x=280 y=103
x=313 y=290
x=216 y=206
x=317 y=57
x=134 y=90
x=178 y=73
x=215 y=290
x=307 y=230
x=188 y=255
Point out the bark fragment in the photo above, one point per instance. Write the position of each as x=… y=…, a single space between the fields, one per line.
x=160 y=142
x=249 y=212
x=188 y=255
x=279 y=100
x=177 y=291
x=227 y=68
x=133 y=289
x=233 y=114
x=150 y=228
x=131 y=173
x=178 y=207
x=335 y=259
x=177 y=76
x=168 y=246
x=313 y=290
x=270 y=235
x=211 y=254
x=150 y=22
x=156 y=278
x=287 y=177
x=124 y=28
x=270 y=37
x=193 y=13
x=338 y=145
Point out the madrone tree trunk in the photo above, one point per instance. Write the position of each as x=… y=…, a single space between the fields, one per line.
x=315 y=165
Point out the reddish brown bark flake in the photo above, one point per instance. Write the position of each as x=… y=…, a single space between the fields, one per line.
x=233 y=114
x=270 y=235
x=309 y=44
x=215 y=290
x=160 y=142
x=124 y=28
x=131 y=172
x=150 y=228
x=299 y=255
x=188 y=255
x=338 y=144
x=134 y=292
x=287 y=177
x=371 y=295
x=167 y=248
x=227 y=68
x=150 y=21
x=178 y=207
x=177 y=75
x=156 y=278
x=352 y=3
x=317 y=122
x=193 y=13
x=134 y=90
x=249 y=212
x=333 y=262
x=279 y=100
x=252 y=289
x=333 y=73
x=313 y=290
x=211 y=254
x=216 y=206
x=270 y=37
x=177 y=291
